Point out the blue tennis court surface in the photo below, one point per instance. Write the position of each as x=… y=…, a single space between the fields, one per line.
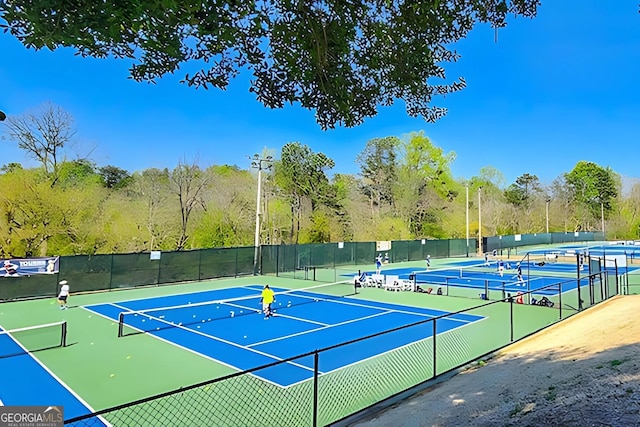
x=234 y=333
x=630 y=250
x=481 y=280
x=27 y=382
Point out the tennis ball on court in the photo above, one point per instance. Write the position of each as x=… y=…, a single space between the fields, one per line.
x=194 y=315
x=112 y=375
x=128 y=357
x=245 y=336
x=202 y=320
x=207 y=388
x=91 y=344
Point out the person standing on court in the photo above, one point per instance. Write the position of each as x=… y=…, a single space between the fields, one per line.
x=379 y=264
x=267 y=298
x=428 y=261
x=63 y=296
x=519 y=274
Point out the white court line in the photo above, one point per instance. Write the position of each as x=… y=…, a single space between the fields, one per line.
x=319 y=329
x=338 y=301
x=248 y=287
x=299 y=319
x=62 y=383
x=213 y=338
x=190 y=350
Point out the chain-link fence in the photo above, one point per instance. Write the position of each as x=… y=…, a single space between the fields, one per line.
x=502 y=243
x=114 y=271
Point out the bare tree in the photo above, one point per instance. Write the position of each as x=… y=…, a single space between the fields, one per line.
x=188 y=182
x=151 y=187
x=42 y=134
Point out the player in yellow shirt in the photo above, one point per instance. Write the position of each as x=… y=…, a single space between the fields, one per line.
x=268 y=297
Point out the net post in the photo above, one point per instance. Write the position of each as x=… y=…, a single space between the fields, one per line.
x=121 y=324
x=63 y=341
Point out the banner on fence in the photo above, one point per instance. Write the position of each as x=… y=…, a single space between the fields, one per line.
x=29 y=266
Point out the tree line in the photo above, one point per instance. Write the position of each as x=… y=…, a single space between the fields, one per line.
x=404 y=190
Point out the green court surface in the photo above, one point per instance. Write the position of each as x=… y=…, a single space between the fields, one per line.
x=107 y=371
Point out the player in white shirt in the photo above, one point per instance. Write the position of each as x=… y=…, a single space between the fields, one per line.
x=63 y=296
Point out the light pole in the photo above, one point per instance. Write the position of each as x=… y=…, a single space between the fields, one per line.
x=480 y=220
x=467 y=214
x=547 y=212
x=260 y=163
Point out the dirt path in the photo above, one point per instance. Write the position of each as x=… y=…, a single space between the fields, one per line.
x=584 y=371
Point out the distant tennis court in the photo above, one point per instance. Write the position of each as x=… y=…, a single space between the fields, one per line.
x=470 y=274
x=226 y=326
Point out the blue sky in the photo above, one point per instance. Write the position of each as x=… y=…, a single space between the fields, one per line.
x=552 y=91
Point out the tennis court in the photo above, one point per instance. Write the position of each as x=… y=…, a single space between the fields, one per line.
x=226 y=326
x=470 y=274
x=26 y=381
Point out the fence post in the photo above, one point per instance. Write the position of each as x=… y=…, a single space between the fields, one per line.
x=560 y=300
x=315 y=388
x=578 y=269
x=511 y=315
x=111 y=273
x=435 y=368
x=256 y=266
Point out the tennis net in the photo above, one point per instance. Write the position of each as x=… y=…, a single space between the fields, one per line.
x=185 y=315
x=475 y=276
x=475 y=270
x=19 y=341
